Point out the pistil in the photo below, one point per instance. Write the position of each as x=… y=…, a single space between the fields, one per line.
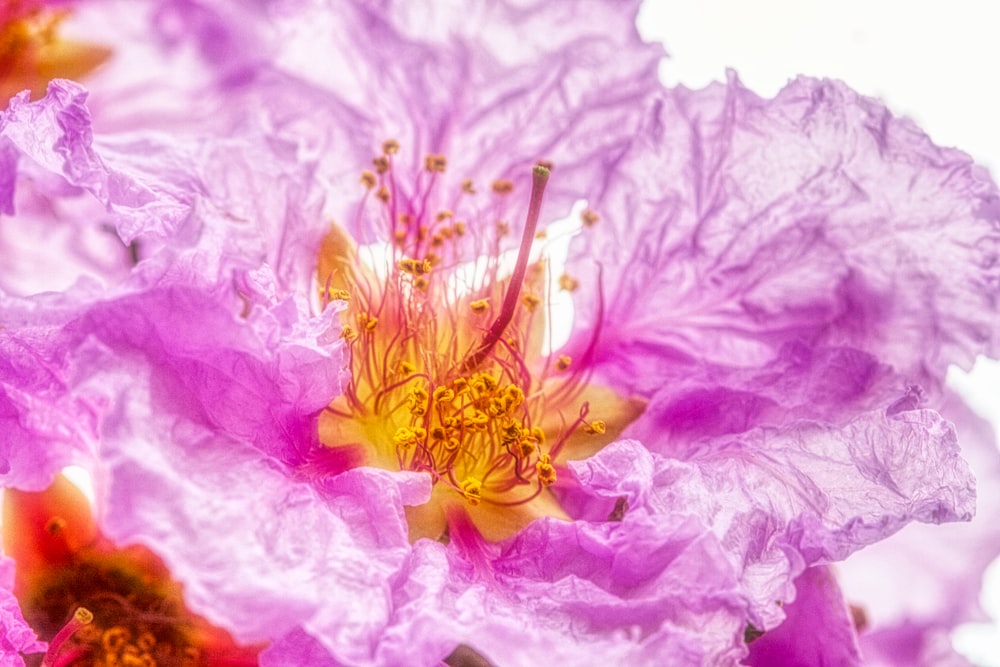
x=539 y=178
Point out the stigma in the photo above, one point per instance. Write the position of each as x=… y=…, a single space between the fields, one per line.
x=445 y=331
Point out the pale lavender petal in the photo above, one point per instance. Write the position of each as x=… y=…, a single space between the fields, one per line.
x=815 y=217
x=926 y=580
x=45 y=424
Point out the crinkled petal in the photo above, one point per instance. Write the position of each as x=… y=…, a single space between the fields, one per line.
x=926 y=580
x=17 y=637
x=814 y=217
x=780 y=500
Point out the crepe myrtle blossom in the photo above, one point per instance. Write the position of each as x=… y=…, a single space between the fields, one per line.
x=350 y=441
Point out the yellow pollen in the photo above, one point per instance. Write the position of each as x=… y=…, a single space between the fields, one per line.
x=418 y=401
x=368 y=179
x=589 y=218
x=472 y=489
x=444 y=395
x=444 y=215
x=567 y=283
x=338 y=295
x=382 y=194
x=479 y=306
x=415 y=267
x=405 y=368
x=348 y=333
x=420 y=283
x=407 y=438
x=546 y=471
x=467 y=187
x=563 y=363
x=390 y=147
x=367 y=322
x=530 y=302
x=381 y=164
x=596 y=427
x=459 y=228
x=435 y=163
x=114 y=639
x=503 y=187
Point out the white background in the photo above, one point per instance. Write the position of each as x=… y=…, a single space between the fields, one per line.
x=936 y=65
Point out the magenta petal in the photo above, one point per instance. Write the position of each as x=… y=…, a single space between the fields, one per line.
x=818 y=627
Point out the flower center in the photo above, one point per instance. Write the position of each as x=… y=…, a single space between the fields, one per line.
x=448 y=374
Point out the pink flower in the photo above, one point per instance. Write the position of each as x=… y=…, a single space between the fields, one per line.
x=766 y=294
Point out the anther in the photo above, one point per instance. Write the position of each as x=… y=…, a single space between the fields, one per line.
x=563 y=363
x=444 y=395
x=589 y=218
x=567 y=283
x=596 y=427
x=81 y=617
x=502 y=187
x=55 y=525
x=472 y=489
x=435 y=163
x=390 y=147
x=368 y=179
x=546 y=471
x=381 y=164
x=339 y=295
x=467 y=187
x=382 y=194
x=367 y=322
x=479 y=306
x=406 y=438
